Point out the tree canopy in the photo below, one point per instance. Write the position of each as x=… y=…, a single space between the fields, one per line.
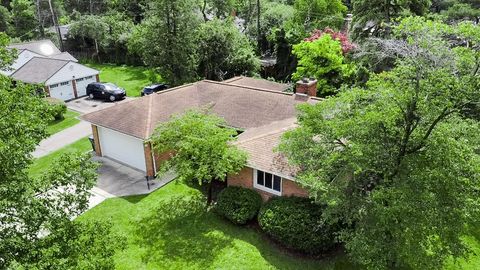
x=201 y=148
x=396 y=161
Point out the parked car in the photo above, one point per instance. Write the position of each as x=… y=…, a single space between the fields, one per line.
x=147 y=90
x=107 y=91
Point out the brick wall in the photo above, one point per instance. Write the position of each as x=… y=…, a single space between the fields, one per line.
x=245 y=179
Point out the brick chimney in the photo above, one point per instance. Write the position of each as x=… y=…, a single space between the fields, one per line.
x=307 y=86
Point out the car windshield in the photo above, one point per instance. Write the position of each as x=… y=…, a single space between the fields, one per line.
x=110 y=86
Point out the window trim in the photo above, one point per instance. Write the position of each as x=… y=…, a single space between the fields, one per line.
x=263 y=188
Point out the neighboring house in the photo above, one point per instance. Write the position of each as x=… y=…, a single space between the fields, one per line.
x=41 y=62
x=122 y=132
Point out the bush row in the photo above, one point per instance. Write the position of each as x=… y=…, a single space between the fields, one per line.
x=294 y=222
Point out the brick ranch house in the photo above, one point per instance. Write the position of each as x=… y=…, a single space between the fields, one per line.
x=260 y=109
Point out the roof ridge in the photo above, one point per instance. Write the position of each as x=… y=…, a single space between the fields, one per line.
x=31 y=41
x=234 y=79
x=273 y=132
x=149 y=116
x=175 y=88
x=249 y=87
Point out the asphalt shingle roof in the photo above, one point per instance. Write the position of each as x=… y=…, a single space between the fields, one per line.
x=38 y=70
x=43 y=47
x=258 y=83
x=241 y=107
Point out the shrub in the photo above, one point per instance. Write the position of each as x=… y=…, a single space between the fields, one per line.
x=57 y=108
x=297 y=223
x=237 y=204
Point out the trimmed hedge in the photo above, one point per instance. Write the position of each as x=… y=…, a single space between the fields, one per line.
x=297 y=224
x=57 y=108
x=238 y=204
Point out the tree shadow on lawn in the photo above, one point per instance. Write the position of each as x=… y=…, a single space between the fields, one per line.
x=179 y=230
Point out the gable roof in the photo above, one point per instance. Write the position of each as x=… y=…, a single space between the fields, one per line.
x=242 y=107
x=44 y=47
x=38 y=70
x=258 y=83
x=260 y=144
x=64 y=56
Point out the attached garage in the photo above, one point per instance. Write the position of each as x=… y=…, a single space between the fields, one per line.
x=62 y=91
x=64 y=79
x=82 y=85
x=123 y=148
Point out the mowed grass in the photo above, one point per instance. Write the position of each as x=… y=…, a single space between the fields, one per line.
x=132 y=79
x=43 y=163
x=164 y=230
x=70 y=119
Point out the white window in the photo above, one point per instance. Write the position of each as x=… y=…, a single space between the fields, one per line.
x=267 y=182
x=89 y=77
x=79 y=80
x=54 y=85
x=65 y=83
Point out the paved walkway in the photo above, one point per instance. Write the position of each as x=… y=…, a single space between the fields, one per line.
x=62 y=138
x=117 y=180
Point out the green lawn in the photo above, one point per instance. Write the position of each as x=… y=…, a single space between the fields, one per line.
x=164 y=231
x=41 y=164
x=133 y=79
x=70 y=119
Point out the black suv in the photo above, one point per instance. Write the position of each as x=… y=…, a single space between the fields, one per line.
x=107 y=91
x=147 y=90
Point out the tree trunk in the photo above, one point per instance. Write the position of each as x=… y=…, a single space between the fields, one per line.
x=204 y=7
x=209 y=193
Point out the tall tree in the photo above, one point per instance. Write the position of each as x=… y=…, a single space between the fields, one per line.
x=201 y=147
x=322 y=57
x=224 y=52
x=23 y=19
x=36 y=211
x=318 y=14
x=375 y=17
x=166 y=39
x=398 y=162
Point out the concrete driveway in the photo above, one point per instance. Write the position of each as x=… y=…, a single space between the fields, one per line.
x=117 y=180
x=86 y=105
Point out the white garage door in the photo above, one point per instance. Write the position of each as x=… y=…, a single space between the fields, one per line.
x=123 y=148
x=82 y=85
x=63 y=91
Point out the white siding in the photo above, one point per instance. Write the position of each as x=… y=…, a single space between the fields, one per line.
x=71 y=71
x=63 y=91
x=123 y=148
x=82 y=85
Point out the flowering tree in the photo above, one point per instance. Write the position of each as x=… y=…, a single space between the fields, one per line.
x=342 y=37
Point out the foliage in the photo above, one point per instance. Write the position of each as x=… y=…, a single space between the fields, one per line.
x=224 y=52
x=342 y=37
x=165 y=40
x=273 y=19
x=238 y=204
x=322 y=59
x=34 y=206
x=374 y=18
x=171 y=229
x=318 y=14
x=201 y=146
x=7 y=57
x=462 y=11
x=297 y=223
x=5 y=19
x=77 y=245
x=57 y=108
x=396 y=160
x=219 y=8
x=23 y=19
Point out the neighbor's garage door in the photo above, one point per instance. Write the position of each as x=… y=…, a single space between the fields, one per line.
x=63 y=91
x=82 y=85
x=124 y=148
